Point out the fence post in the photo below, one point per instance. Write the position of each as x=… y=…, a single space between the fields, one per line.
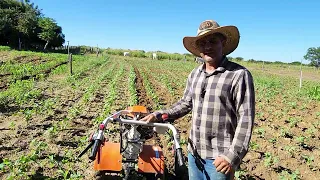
x=70 y=62
x=97 y=50
x=300 y=75
x=68 y=48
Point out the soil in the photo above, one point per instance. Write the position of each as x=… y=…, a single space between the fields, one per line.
x=63 y=121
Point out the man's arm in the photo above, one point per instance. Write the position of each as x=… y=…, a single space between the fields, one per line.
x=183 y=106
x=245 y=109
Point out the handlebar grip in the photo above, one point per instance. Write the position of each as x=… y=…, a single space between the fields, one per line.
x=180 y=156
x=165 y=118
x=85 y=150
x=95 y=148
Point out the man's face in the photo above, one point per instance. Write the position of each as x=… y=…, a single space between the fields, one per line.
x=211 y=47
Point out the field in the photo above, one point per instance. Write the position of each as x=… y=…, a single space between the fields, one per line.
x=46 y=114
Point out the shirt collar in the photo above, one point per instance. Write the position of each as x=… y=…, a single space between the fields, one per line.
x=221 y=67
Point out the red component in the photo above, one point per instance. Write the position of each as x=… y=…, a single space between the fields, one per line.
x=101 y=127
x=164 y=116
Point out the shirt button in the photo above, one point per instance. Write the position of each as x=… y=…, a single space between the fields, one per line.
x=197 y=140
x=198 y=128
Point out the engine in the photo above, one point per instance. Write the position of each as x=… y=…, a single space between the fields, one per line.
x=132 y=142
x=132 y=138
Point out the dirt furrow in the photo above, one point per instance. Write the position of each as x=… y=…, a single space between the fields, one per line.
x=158 y=139
x=143 y=98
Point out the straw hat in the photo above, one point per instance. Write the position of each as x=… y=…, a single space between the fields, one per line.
x=210 y=27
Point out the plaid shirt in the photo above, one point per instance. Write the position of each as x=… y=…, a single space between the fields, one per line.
x=223 y=110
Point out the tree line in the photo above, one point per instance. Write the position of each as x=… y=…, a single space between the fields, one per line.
x=313 y=55
x=24 y=26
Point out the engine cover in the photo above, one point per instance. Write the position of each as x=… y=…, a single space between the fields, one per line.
x=150 y=160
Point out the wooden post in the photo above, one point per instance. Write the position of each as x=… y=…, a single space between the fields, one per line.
x=300 y=75
x=19 y=43
x=68 y=48
x=70 y=62
x=97 y=50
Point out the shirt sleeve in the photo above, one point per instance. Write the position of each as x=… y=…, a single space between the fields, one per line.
x=245 y=108
x=183 y=106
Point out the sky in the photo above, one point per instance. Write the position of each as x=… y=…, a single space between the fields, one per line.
x=273 y=30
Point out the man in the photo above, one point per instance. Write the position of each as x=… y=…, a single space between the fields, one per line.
x=221 y=96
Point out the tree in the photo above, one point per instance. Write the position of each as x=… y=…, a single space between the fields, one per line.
x=20 y=26
x=239 y=58
x=295 y=63
x=9 y=11
x=48 y=27
x=17 y=21
x=26 y=20
x=59 y=39
x=313 y=55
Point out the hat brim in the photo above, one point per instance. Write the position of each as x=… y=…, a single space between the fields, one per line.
x=230 y=32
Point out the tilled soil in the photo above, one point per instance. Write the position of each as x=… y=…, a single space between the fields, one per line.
x=55 y=127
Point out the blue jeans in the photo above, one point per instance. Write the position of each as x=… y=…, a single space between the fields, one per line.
x=204 y=170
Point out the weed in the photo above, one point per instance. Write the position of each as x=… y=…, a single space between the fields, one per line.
x=270 y=160
x=273 y=140
x=253 y=145
x=260 y=132
x=291 y=150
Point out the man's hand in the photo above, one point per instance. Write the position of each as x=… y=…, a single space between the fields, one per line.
x=149 y=118
x=222 y=165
